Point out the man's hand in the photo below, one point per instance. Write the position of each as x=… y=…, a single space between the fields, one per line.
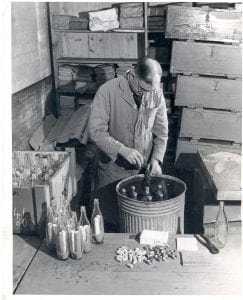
x=132 y=156
x=154 y=167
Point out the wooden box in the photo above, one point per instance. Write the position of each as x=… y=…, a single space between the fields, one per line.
x=211 y=124
x=186 y=146
x=60 y=21
x=203 y=24
x=186 y=151
x=205 y=207
x=208 y=92
x=30 y=202
x=206 y=59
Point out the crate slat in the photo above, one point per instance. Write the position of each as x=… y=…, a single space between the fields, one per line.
x=206 y=59
x=211 y=124
x=207 y=92
x=203 y=24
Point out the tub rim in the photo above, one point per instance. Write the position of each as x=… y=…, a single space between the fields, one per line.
x=157 y=176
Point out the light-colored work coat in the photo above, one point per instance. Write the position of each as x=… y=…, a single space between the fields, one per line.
x=115 y=120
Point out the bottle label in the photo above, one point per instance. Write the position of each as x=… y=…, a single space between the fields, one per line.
x=97 y=224
x=85 y=230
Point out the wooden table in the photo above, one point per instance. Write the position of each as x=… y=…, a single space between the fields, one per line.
x=98 y=272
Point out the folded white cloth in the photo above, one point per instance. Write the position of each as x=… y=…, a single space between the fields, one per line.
x=103 y=20
x=152 y=237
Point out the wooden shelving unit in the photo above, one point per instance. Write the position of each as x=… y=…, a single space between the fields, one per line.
x=124 y=45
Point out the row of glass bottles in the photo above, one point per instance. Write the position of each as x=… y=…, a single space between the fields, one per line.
x=33 y=169
x=70 y=237
x=145 y=195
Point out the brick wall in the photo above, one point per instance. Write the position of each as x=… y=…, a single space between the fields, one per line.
x=28 y=108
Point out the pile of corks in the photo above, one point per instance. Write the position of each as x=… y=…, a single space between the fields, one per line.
x=149 y=254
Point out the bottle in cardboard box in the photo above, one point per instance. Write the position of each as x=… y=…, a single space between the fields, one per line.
x=97 y=223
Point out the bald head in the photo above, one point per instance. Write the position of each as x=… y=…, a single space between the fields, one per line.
x=149 y=70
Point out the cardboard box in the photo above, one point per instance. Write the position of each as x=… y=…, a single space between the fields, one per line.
x=30 y=202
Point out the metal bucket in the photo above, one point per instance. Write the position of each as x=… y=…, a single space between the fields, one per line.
x=166 y=215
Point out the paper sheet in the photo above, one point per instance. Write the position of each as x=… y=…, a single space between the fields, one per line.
x=151 y=237
x=187 y=244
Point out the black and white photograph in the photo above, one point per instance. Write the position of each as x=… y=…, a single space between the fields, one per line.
x=125 y=136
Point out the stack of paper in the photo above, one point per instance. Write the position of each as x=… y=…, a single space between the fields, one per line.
x=67 y=105
x=151 y=237
x=104 y=73
x=187 y=243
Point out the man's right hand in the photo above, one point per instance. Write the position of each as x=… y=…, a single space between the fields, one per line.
x=132 y=156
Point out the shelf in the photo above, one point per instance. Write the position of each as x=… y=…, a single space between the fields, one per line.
x=79 y=60
x=156 y=30
x=110 y=31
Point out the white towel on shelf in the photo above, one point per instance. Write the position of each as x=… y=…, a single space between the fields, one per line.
x=103 y=20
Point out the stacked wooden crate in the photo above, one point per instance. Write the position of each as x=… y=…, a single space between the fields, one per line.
x=206 y=57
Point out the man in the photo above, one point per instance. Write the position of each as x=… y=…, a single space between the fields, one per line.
x=128 y=123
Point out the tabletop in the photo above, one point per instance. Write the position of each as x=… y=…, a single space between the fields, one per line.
x=223 y=173
x=98 y=272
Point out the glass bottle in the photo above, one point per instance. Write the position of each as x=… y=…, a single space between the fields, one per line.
x=159 y=194
x=62 y=242
x=85 y=228
x=165 y=190
x=146 y=194
x=27 y=164
x=221 y=227
x=74 y=218
x=51 y=230
x=124 y=192
x=97 y=223
x=135 y=195
x=133 y=192
x=76 y=244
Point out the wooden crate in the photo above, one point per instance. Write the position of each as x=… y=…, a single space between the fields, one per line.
x=203 y=24
x=30 y=203
x=205 y=208
x=211 y=124
x=208 y=92
x=186 y=145
x=186 y=150
x=206 y=59
x=101 y=45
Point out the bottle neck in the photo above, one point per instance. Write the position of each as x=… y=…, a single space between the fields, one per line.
x=221 y=205
x=96 y=207
x=83 y=217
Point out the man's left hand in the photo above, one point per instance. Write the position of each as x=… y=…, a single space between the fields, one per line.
x=154 y=167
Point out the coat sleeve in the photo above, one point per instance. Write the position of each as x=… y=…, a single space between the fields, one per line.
x=98 y=126
x=160 y=131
